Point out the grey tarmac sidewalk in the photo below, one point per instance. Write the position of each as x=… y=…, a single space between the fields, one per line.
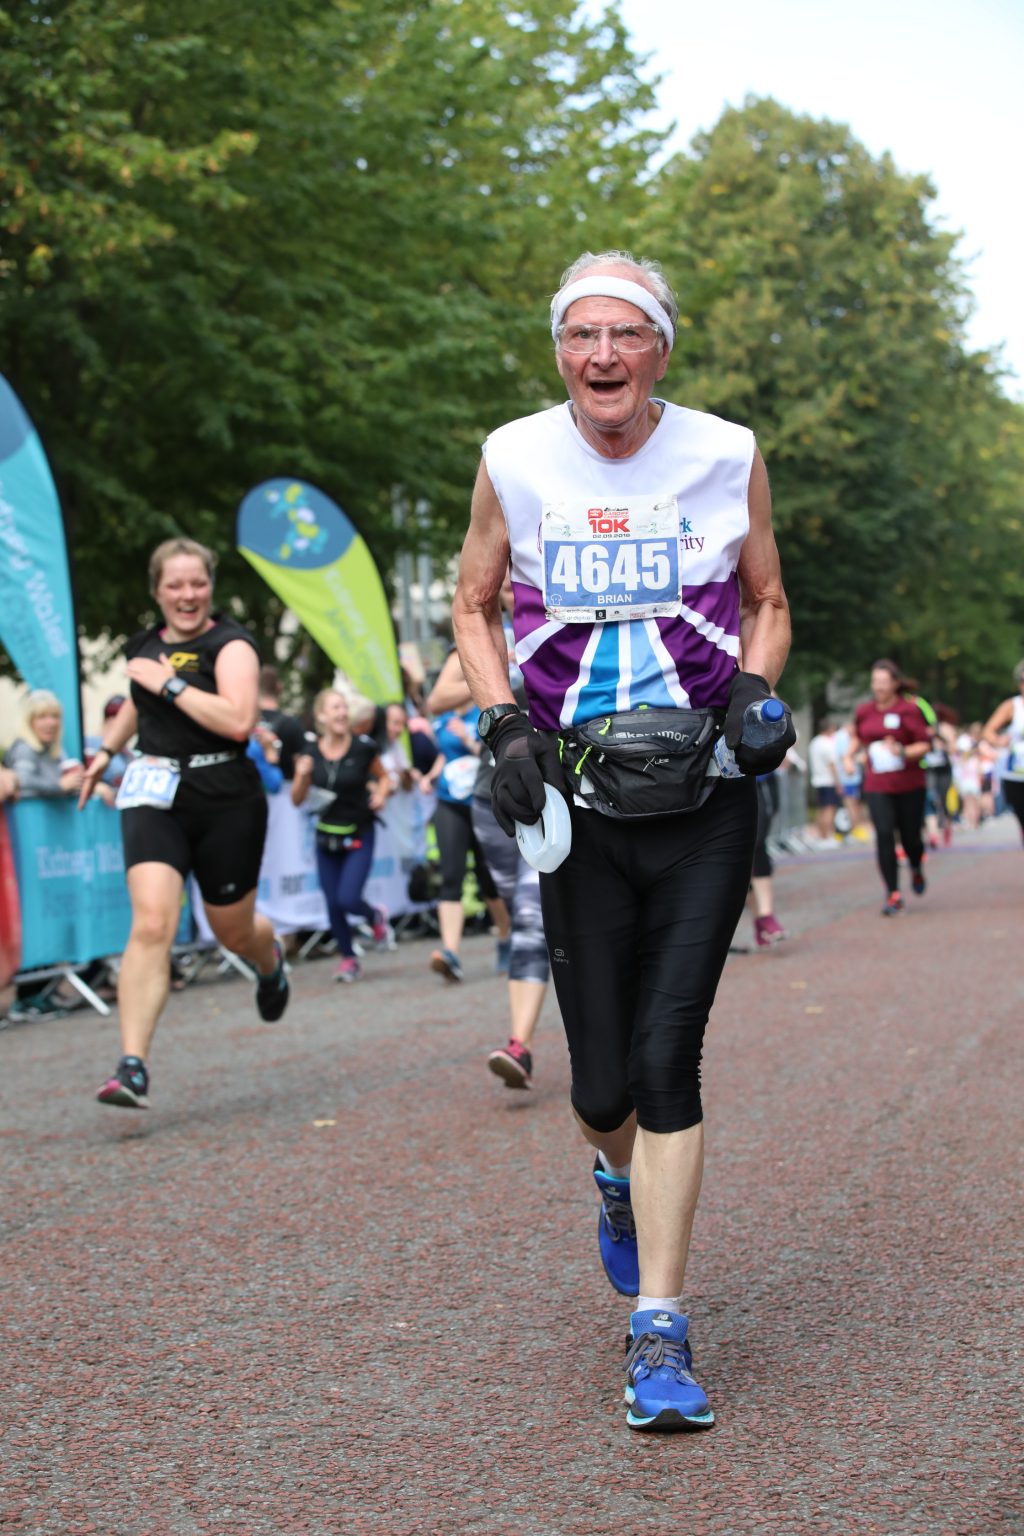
x=339 y=1280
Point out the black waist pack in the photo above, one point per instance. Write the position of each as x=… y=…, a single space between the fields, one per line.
x=337 y=842
x=644 y=762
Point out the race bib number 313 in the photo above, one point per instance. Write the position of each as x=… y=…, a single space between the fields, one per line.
x=617 y=561
x=148 y=782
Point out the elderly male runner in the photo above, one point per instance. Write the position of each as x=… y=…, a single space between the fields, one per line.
x=645 y=573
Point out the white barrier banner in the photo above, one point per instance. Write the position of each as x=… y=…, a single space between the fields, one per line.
x=289 y=892
x=400 y=843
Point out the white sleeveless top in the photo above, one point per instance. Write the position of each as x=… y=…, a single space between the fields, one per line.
x=589 y=538
x=1011 y=761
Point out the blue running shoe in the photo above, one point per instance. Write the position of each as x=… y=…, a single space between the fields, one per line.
x=447 y=964
x=660 y=1388
x=616 y=1233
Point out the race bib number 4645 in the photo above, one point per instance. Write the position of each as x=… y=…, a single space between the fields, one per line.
x=611 y=562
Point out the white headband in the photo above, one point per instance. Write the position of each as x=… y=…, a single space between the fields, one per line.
x=611 y=288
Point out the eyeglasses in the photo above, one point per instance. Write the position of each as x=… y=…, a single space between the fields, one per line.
x=584 y=339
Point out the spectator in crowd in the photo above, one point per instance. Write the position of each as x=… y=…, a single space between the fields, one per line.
x=395 y=756
x=288 y=730
x=265 y=749
x=938 y=770
x=16 y=1005
x=826 y=782
x=369 y=719
x=1004 y=733
x=422 y=744
x=8 y=785
x=413 y=681
x=118 y=764
x=454 y=774
x=987 y=755
x=351 y=786
x=37 y=769
x=967 y=777
x=36 y=756
x=851 y=776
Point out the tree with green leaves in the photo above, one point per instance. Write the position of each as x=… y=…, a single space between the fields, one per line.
x=823 y=309
x=295 y=238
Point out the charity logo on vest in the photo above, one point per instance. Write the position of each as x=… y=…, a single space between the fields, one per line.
x=687 y=538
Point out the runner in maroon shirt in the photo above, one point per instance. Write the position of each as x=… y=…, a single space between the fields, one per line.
x=891 y=736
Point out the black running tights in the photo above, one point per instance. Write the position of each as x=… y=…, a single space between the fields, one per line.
x=638 y=922
x=890 y=814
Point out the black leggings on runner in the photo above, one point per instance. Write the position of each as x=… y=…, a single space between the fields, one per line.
x=639 y=920
x=519 y=888
x=1013 y=794
x=890 y=814
x=767 y=805
x=453 y=828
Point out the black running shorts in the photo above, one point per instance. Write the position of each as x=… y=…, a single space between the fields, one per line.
x=220 y=842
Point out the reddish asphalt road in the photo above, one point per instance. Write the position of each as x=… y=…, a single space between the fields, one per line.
x=339 y=1280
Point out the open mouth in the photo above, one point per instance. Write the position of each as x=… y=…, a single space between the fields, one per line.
x=607 y=387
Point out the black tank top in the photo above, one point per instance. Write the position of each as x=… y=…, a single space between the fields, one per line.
x=346 y=778
x=166 y=731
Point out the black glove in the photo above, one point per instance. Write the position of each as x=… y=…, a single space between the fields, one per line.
x=748 y=688
x=524 y=760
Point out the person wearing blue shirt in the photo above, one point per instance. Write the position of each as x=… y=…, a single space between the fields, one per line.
x=454 y=773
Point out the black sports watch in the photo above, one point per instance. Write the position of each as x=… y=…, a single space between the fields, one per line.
x=173 y=688
x=491 y=718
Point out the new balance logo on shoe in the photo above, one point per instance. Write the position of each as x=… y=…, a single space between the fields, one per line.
x=662 y=1320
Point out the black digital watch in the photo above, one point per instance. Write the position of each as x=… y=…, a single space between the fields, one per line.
x=173 y=688
x=491 y=718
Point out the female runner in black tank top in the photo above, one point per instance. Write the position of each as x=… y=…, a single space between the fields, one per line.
x=194 y=703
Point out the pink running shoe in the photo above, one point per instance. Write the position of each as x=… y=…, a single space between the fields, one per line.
x=347 y=969
x=383 y=933
x=768 y=931
x=513 y=1064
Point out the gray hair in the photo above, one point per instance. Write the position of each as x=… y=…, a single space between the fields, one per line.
x=1018 y=673
x=649 y=271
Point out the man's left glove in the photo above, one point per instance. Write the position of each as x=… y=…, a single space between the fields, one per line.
x=524 y=760
x=745 y=689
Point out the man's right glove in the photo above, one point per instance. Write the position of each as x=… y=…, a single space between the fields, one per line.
x=524 y=760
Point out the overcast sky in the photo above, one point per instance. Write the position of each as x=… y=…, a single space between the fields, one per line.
x=937 y=83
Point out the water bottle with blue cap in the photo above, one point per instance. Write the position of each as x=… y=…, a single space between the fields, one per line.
x=764 y=721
